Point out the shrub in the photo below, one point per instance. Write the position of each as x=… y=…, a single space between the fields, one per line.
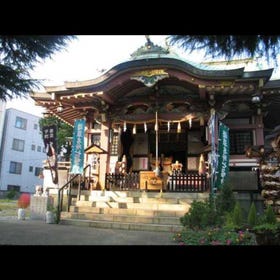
x=201 y=215
x=24 y=200
x=195 y=215
x=270 y=216
x=252 y=215
x=225 y=200
x=11 y=194
x=214 y=236
x=237 y=217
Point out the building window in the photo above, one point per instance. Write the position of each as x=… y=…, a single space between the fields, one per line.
x=114 y=145
x=33 y=147
x=13 y=188
x=18 y=145
x=38 y=171
x=95 y=139
x=239 y=140
x=15 y=167
x=30 y=168
x=21 y=123
x=35 y=126
x=38 y=148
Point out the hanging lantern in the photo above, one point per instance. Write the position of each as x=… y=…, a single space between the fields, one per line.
x=190 y=123
x=145 y=127
x=156 y=124
x=168 y=126
x=179 y=127
x=201 y=121
x=202 y=166
x=134 y=129
x=124 y=126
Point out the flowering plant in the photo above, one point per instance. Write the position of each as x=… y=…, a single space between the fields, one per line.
x=24 y=200
x=214 y=236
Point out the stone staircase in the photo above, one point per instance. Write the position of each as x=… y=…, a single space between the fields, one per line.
x=131 y=210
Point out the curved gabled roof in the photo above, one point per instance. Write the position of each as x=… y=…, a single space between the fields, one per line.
x=185 y=79
x=152 y=56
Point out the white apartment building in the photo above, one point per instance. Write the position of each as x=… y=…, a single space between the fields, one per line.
x=2 y=117
x=22 y=152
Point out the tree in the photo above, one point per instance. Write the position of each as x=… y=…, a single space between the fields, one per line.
x=229 y=46
x=19 y=55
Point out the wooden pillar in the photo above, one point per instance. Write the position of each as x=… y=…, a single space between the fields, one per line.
x=104 y=159
x=259 y=130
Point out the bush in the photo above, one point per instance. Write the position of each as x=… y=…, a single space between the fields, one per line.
x=237 y=217
x=252 y=215
x=11 y=194
x=214 y=236
x=270 y=216
x=24 y=200
x=225 y=200
x=201 y=215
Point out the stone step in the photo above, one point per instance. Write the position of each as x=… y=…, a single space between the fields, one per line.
x=125 y=211
x=122 y=225
x=122 y=218
x=131 y=205
x=139 y=197
x=145 y=194
x=133 y=199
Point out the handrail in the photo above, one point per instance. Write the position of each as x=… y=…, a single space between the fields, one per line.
x=60 y=197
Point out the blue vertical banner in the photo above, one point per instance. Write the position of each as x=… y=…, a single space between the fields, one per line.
x=223 y=161
x=77 y=156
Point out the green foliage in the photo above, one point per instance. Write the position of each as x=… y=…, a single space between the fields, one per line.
x=270 y=216
x=200 y=215
x=225 y=200
x=237 y=217
x=267 y=227
x=229 y=46
x=214 y=236
x=11 y=194
x=19 y=55
x=252 y=215
x=229 y=221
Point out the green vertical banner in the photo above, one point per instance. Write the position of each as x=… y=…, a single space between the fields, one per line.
x=223 y=151
x=77 y=155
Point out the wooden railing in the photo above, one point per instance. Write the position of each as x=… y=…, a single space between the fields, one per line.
x=128 y=181
x=189 y=182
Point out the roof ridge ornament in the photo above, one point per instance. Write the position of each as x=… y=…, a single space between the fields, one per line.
x=149 y=48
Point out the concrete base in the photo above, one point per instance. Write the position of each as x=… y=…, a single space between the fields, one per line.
x=39 y=206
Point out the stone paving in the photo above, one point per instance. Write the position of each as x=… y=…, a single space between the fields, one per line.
x=38 y=232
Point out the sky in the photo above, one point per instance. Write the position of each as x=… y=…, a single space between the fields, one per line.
x=85 y=58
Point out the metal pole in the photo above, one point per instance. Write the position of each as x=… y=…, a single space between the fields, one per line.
x=156 y=129
x=213 y=154
x=79 y=188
